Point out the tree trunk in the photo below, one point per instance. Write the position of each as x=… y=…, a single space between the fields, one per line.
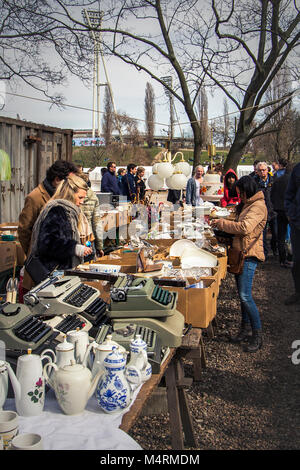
x=236 y=151
x=198 y=141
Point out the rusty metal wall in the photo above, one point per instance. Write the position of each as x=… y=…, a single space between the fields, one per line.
x=32 y=149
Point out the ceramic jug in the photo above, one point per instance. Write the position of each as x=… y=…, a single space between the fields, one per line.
x=28 y=384
x=139 y=358
x=80 y=339
x=64 y=353
x=3 y=383
x=73 y=386
x=114 y=391
x=100 y=351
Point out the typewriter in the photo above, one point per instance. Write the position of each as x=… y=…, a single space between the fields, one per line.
x=156 y=352
x=139 y=301
x=66 y=296
x=21 y=329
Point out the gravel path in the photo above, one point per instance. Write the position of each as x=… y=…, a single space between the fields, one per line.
x=244 y=401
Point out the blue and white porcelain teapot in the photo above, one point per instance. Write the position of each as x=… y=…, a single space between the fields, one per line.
x=114 y=391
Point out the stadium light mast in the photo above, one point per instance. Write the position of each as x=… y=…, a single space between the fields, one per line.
x=169 y=82
x=93 y=19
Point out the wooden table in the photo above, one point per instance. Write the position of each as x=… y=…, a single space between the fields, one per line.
x=181 y=426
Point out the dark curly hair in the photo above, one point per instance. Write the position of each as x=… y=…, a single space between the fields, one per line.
x=61 y=169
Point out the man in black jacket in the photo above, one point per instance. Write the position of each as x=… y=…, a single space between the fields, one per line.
x=129 y=183
x=265 y=181
x=292 y=207
x=277 y=198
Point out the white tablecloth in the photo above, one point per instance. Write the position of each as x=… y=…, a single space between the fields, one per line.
x=91 y=430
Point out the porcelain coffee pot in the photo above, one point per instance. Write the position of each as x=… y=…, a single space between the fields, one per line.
x=80 y=339
x=64 y=353
x=101 y=351
x=73 y=386
x=3 y=383
x=114 y=391
x=139 y=357
x=28 y=384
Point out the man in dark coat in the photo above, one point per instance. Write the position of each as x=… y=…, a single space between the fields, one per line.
x=109 y=182
x=129 y=183
x=292 y=207
x=264 y=181
x=277 y=198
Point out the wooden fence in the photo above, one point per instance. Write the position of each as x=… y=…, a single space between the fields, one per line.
x=32 y=149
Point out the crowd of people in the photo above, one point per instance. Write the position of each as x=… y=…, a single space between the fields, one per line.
x=59 y=226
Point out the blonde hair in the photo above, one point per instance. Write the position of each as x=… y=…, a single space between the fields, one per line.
x=68 y=187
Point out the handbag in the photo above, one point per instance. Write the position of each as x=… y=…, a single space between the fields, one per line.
x=36 y=269
x=236 y=258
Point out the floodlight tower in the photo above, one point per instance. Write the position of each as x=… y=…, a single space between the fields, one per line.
x=93 y=19
x=168 y=81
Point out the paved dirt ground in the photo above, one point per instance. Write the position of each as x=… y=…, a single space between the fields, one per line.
x=244 y=401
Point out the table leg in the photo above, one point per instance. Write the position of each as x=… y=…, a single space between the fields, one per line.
x=180 y=418
x=174 y=408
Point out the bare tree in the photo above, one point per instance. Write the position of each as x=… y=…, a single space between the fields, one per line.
x=108 y=117
x=149 y=114
x=40 y=44
x=254 y=41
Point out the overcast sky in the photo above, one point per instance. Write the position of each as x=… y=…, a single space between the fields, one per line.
x=128 y=86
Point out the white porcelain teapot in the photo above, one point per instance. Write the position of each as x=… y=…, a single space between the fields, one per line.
x=73 y=386
x=139 y=358
x=3 y=383
x=28 y=384
x=64 y=353
x=114 y=390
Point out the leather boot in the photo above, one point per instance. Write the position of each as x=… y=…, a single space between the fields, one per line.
x=243 y=335
x=255 y=342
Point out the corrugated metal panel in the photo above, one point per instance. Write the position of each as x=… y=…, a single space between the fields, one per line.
x=30 y=158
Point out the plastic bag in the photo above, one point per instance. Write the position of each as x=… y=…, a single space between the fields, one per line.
x=5 y=168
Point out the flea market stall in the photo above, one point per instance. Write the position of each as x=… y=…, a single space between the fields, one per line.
x=96 y=341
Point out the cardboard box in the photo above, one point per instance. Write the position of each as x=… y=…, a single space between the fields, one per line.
x=198 y=306
x=8 y=255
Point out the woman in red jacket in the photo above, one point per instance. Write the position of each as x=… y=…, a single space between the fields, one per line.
x=230 y=197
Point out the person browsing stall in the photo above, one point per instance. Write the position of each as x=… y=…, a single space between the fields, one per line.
x=109 y=182
x=56 y=234
x=192 y=195
x=247 y=230
x=230 y=194
x=129 y=183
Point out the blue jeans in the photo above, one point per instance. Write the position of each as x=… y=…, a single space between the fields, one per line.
x=244 y=281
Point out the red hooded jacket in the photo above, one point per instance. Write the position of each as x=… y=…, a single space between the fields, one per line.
x=227 y=199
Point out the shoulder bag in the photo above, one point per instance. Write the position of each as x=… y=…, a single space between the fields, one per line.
x=236 y=258
x=36 y=269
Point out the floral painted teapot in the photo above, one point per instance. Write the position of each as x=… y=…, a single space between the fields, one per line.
x=73 y=386
x=114 y=391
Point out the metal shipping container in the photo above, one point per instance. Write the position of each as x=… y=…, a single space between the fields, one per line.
x=32 y=149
